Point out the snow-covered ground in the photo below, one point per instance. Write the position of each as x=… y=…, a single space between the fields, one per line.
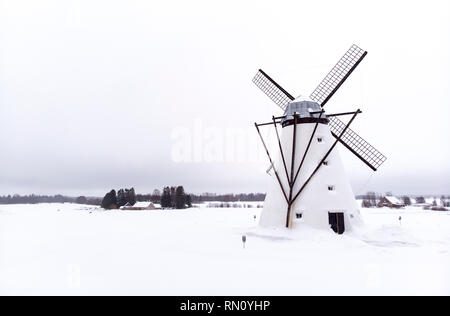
x=74 y=249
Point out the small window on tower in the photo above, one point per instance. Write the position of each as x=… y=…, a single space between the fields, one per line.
x=331 y=188
x=319 y=139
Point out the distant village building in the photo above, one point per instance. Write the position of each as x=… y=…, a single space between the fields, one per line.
x=139 y=206
x=390 y=201
x=419 y=202
x=437 y=204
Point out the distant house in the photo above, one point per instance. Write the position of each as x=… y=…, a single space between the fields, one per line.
x=139 y=206
x=390 y=201
x=419 y=202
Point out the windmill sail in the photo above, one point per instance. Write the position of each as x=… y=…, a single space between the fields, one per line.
x=336 y=77
x=356 y=144
x=272 y=89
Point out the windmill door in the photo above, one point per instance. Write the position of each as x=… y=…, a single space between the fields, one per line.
x=336 y=221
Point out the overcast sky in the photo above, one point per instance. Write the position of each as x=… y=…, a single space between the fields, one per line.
x=96 y=95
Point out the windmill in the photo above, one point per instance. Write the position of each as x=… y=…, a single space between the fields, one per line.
x=310 y=184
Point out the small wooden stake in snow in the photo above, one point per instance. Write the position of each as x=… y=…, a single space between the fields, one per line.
x=244 y=239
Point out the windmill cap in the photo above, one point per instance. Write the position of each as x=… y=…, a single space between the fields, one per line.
x=304 y=107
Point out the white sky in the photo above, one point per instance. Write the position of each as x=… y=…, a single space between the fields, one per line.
x=91 y=91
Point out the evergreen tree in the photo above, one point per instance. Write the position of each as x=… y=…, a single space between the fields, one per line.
x=121 y=198
x=131 y=196
x=180 y=198
x=110 y=200
x=173 y=196
x=166 y=201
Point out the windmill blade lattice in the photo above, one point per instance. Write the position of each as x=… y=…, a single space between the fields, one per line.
x=272 y=89
x=336 y=77
x=356 y=144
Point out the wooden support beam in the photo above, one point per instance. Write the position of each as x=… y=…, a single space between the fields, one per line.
x=271 y=162
x=269 y=123
x=281 y=148
x=340 y=114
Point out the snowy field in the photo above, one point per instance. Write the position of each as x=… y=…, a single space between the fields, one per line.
x=73 y=249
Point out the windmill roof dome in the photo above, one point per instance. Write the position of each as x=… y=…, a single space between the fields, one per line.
x=304 y=107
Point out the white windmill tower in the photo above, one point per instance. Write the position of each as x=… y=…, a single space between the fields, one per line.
x=310 y=185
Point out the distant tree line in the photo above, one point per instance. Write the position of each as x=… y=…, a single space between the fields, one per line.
x=175 y=197
x=231 y=204
x=370 y=199
x=88 y=200
x=155 y=197
x=58 y=198
x=241 y=197
x=128 y=195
